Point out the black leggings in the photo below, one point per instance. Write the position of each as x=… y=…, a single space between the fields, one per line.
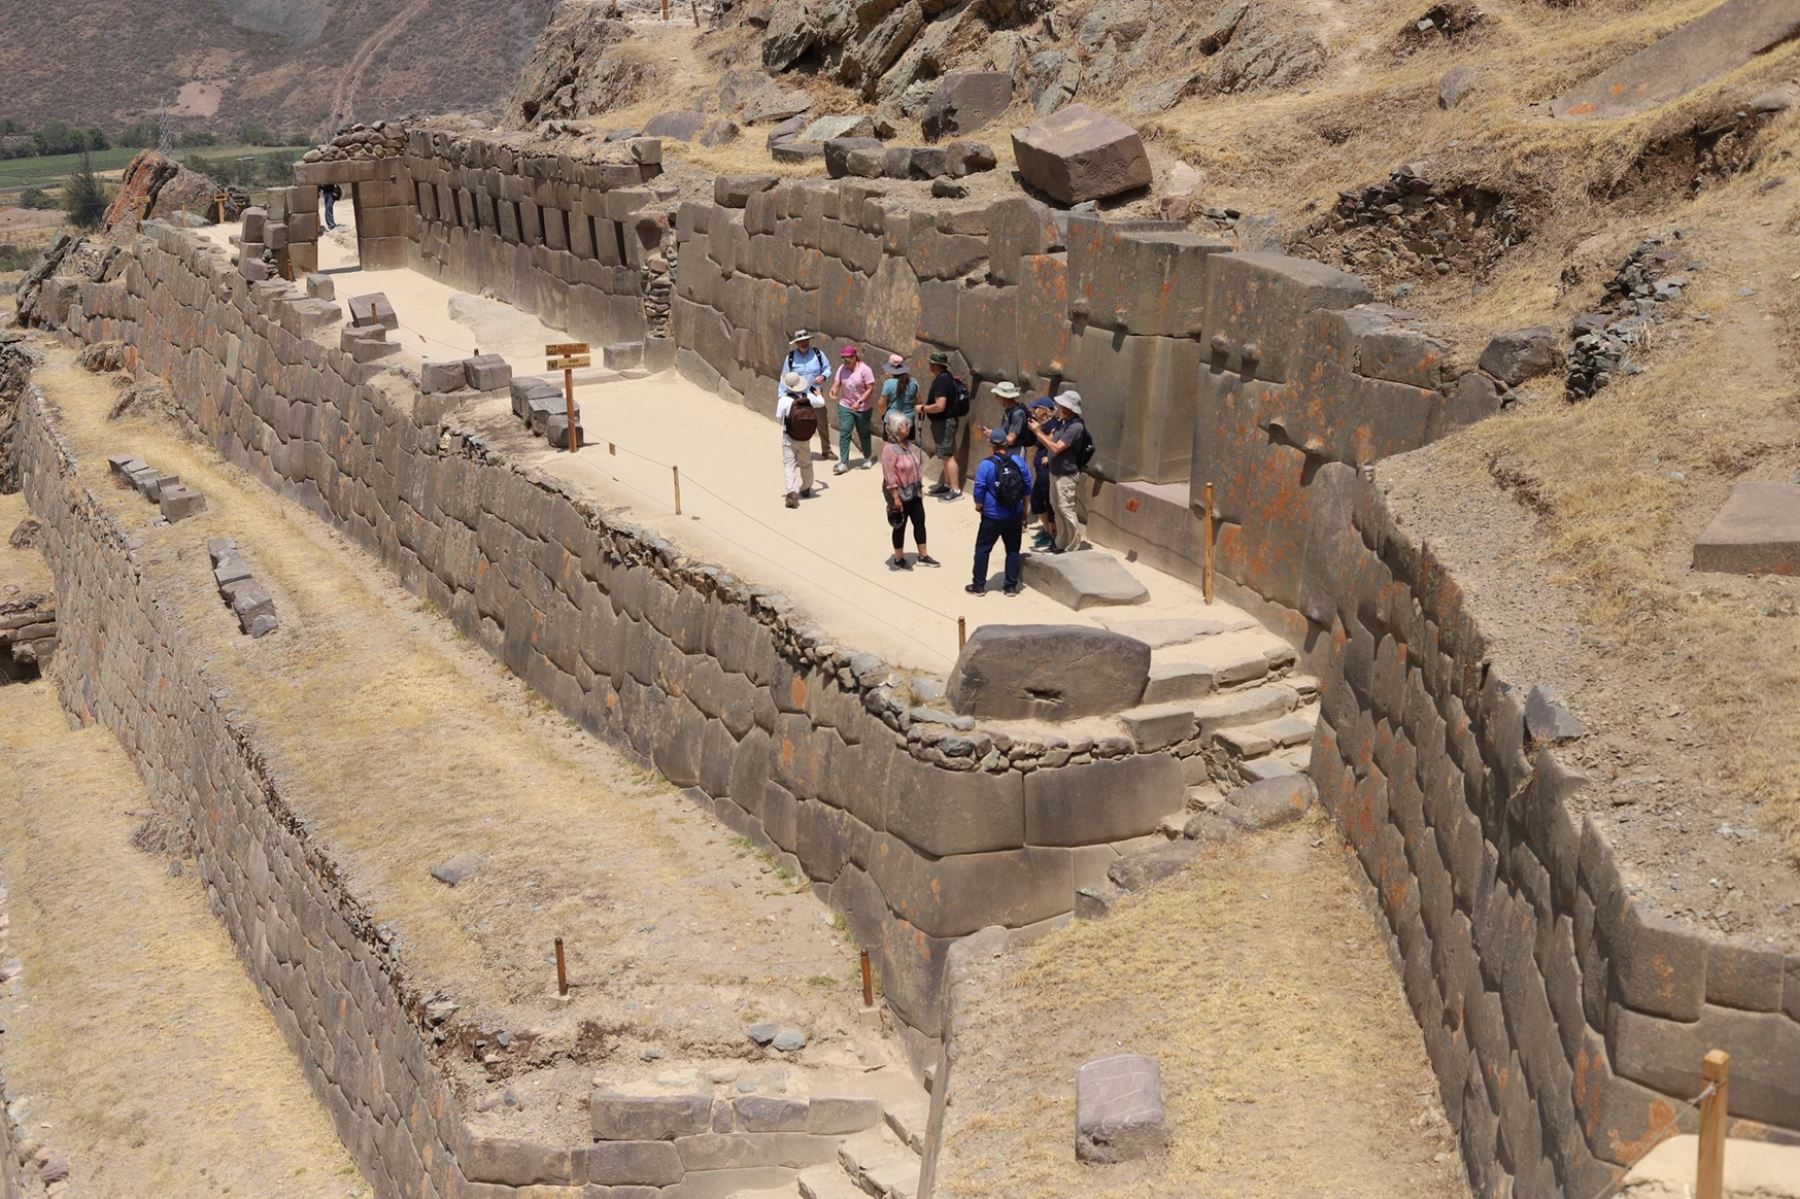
x=914 y=508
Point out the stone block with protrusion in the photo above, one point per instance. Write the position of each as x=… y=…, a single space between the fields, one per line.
x=487 y=372
x=180 y=502
x=321 y=287
x=438 y=377
x=373 y=309
x=623 y=354
x=556 y=431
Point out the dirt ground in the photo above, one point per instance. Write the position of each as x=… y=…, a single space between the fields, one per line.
x=1290 y=1064
x=23 y=572
x=405 y=746
x=135 y=1042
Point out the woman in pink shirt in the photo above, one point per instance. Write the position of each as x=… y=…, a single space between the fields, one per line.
x=902 y=467
x=853 y=387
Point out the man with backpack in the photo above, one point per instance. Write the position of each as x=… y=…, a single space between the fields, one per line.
x=946 y=403
x=331 y=193
x=1002 y=483
x=797 y=411
x=809 y=362
x=1070 y=449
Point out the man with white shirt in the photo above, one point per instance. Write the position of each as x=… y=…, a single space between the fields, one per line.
x=797 y=412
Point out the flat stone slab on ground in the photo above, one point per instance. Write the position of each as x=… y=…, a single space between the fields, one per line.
x=457 y=869
x=1135 y=871
x=1047 y=672
x=1160 y=634
x=1705 y=48
x=1757 y=532
x=1119 y=1109
x=1082 y=579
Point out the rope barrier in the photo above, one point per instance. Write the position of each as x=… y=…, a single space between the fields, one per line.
x=1707 y=1092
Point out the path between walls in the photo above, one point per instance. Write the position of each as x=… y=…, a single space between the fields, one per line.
x=135 y=1041
x=404 y=748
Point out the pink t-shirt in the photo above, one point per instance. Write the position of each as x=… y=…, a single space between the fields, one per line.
x=855 y=385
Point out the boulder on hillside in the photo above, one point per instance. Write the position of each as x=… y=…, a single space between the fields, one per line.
x=570 y=74
x=1079 y=154
x=1047 y=672
x=681 y=126
x=155 y=189
x=964 y=101
x=1521 y=354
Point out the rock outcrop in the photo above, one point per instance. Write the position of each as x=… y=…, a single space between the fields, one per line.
x=571 y=74
x=154 y=188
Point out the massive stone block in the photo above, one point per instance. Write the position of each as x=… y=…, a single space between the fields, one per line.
x=1756 y=532
x=964 y=101
x=1047 y=672
x=1078 y=154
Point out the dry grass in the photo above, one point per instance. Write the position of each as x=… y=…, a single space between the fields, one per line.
x=140 y=1048
x=1290 y=1064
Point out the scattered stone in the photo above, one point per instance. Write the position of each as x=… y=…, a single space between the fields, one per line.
x=1270 y=803
x=54 y=1169
x=764 y=1032
x=1455 y=87
x=180 y=502
x=681 y=126
x=1634 y=296
x=1776 y=99
x=27 y=535
x=488 y=372
x=1096 y=901
x=1756 y=532
x=436 y=378
x=778 y=105
x=1135 y=871
x=1079 y=154
x=1047 y=672
x=786 y=131
x=1718 y=41
x=457 y=869
x=839 y=149
x=963 y=157
x=789 y=1040
x=719 y=132
x=1160 y=97
x=373 y=309
x=734 y=191
x=321 y=287
x=1521 y=354
x=964 y=101
x=1546 y=720
x=1119 y=1110
x=949 y=189
x=848 y=125
x=1210 y=827
x=1083 y=579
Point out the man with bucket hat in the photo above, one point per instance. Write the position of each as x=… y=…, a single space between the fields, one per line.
x=1070 y=449
x=809 y=362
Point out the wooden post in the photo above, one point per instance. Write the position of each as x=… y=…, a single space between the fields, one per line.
x=219 y=199
x=562 y=970
x=677 y=471
x=665 y=10
x=568 y=357
x=868 y=981
x=1709 y=1178
x=1208 y=579
x=962 y=633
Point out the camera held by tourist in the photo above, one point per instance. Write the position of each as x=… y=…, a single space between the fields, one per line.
x=853 y=390
x=1002 y=486
x=903 y=487
x=797 y=411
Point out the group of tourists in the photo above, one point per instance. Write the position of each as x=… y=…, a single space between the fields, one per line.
x=1032 y=466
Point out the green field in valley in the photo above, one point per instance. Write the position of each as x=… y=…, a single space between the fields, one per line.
x=46 y=171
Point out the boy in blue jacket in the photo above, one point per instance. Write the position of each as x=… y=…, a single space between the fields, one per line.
x=1002 y=485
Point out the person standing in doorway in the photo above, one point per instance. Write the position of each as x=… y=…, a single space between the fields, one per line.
x=797 y=412
x=1002 y=485
x=1069 y=450
x=810 y=363
x=332 y=193
x=945 y=404
x=853 y=389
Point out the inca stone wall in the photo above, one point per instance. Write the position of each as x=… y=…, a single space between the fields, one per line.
x=918 y=833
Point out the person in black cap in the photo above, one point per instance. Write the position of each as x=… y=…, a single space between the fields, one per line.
x=1002 y=484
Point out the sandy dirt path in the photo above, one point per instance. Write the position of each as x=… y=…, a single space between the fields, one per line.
x=141 y=1050
x=1290 y=1064
x=405 y=747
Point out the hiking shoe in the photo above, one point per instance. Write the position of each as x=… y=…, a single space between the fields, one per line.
x=950 y=496
x=867 y=463
x=974 y=589
x=793 y=501
x=940 y=489
x=1042 y=541
x=1012 y=590
x=928 y=560
x=899 y=564
x=841 y=468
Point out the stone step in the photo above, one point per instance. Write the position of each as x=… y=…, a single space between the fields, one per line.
x=1265 y=737
x=1166 y=633
x=828 y=1182
x=880 y=1165
x=908 y=1117
x=1233 y=709
x=1218 y=663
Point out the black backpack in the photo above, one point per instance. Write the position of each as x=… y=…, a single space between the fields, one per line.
x=959 y=399
x=1009 y=482
x=802 y=417
x=1084 y=453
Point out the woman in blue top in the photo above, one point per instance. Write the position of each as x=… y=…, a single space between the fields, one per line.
x=900 y=394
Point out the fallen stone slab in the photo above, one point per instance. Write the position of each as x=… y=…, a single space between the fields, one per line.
x=1160 y=634
x=556 y=431
x=1082 y=579
x=1705 y=48
x=487 y=372
x=1757 y=532
x=533 y=387
x=1521 y=354
x=681 y=126
x=1119 y=1110
x=1270 y=803
x=321 y=287
x=1078 y=154
x=734 y=191
x=250 y=598
x=457 y=869
x=838 y=152
x=1047 y=672
x=1135 y=871
x=1546 y=720
x=850 y=124
x=373 y=309
x=964 y=101
x=180 y=502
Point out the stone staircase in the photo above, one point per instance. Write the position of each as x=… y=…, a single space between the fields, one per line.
x=882 y=1162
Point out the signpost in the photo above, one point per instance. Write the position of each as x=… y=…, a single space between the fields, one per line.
x=219 y=200
x=568 y=357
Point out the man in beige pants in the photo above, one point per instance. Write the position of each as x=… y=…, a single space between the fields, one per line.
x=1069 y=447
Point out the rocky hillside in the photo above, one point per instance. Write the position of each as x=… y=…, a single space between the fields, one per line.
x=292 y=65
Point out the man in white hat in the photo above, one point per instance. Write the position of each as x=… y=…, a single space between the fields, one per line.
x=1069 y=447
x=809 y=362
x=797 y=412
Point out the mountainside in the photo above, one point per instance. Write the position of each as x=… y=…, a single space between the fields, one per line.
x=302 y=65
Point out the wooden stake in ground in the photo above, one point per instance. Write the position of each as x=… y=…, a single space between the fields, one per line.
x=868 y=981
x=568 y=357
x=665 y=10
x=562 y=970
x=1209 y=544
x=1709 y=1178
x=962 y=633
x=695 y=5
x=219 y=199
x=677 y=471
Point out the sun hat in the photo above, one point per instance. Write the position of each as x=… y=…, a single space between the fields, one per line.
x=1006 y=391
x=800 y=335
x=847 y=352
x=897 y=365
x=1071 y=400
x=997 y=436
x=939 y=358
x=793 y=381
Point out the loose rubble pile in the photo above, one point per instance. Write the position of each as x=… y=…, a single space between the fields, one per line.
x=379 y=140
x=175 y=499
x=1653 y=275
x=249 y=600
x=1413 y=224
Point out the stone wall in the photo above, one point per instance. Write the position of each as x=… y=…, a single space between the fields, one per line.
x=918 y=833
